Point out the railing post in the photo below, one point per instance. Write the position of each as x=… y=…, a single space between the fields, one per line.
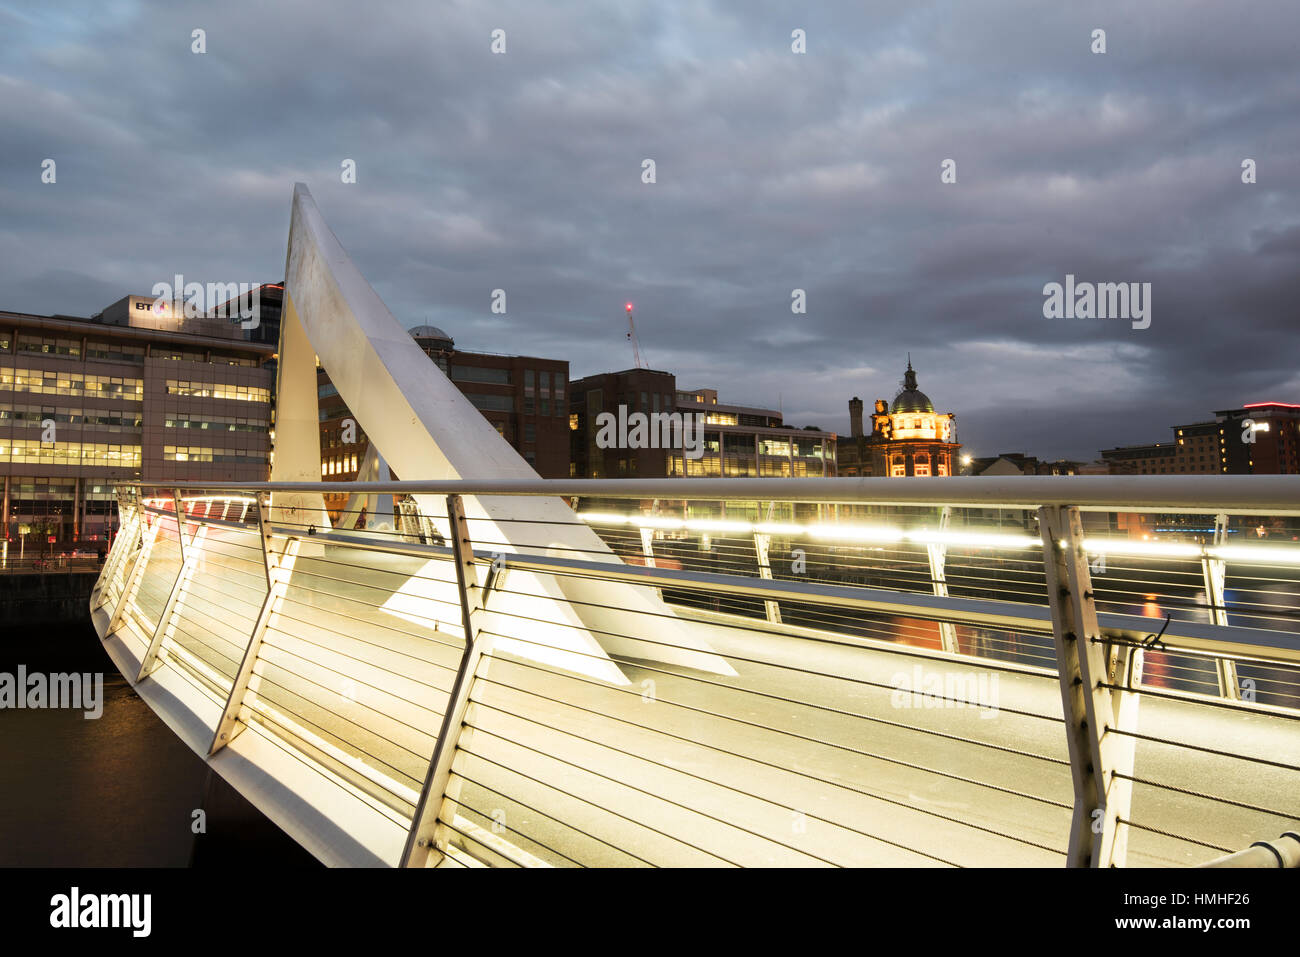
x=279 y=568
x=426 y=835
x=138 y=566
x=179 y=509
x=937 y=553
x=648 y=546
x=648 y=543
x=1214 y=574
x=1100 y=761
x=189 y=559
x=762 y=548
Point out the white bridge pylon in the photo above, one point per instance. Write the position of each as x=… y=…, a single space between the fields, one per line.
x=426 y=429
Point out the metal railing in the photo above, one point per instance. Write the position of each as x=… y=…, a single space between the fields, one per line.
x=738 y=672
x=50 y=564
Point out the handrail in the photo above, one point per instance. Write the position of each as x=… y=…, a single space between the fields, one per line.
x=1282 y=851
x=1195 y=494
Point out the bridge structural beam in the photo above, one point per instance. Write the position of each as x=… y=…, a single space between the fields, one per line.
x=937 y=553
x=1101 y=760
x=189 y=560
x=279 y=569
x=425 y=842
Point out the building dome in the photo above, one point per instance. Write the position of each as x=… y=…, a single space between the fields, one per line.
x=911 y=399
x=431 y=332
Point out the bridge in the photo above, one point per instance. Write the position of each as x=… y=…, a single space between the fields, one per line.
x=504 y=671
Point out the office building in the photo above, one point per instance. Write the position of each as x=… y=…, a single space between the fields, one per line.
x=737 y=440
x=136 y=392
x=1259 y=438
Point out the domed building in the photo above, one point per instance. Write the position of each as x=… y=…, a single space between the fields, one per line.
x=908 y=437
x=437 y=345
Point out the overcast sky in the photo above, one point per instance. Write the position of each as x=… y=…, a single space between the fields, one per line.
x=775 y=171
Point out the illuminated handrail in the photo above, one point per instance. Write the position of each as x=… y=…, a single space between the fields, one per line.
x=1195 y=494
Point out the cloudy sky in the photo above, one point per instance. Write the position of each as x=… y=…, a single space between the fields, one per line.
x=775 y=171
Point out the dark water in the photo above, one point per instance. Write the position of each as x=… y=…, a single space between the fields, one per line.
x=118 y=791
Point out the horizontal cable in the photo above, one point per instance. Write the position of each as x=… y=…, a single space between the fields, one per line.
x=536 y=810
x=1169 y=834
x=1217 y=799
x=336 y=693
x=754 y=760
x=1204 y=750
x=610 y=811
x=779 y=767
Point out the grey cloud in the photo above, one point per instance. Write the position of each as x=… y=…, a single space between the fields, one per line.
x=775 y=171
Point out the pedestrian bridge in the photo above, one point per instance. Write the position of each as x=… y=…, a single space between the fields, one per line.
x=809 y=672
x=484 y=668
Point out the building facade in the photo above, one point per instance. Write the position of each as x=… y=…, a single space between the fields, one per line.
x=646 y=391
x=138 y=392
x=907 y=438
x=735 y=440
x=1018 y=463
x=1260 y=438
x=741 y=441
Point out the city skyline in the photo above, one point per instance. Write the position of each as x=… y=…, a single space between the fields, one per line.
x=775 y=171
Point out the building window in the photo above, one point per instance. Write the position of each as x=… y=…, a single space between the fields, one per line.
x=481 y=374
x=486 y=402
x=530 y=432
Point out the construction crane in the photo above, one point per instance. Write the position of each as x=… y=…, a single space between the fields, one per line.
x=631 y=334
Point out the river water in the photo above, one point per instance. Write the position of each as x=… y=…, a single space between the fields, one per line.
x=117 y=791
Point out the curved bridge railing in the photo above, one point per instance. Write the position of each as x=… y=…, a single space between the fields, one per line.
x=943 y=672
